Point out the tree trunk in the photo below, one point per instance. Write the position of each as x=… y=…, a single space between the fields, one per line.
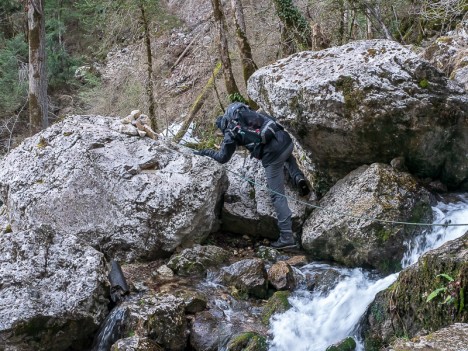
x=38 y=117
x=369 y=33
x=197 y=105
x=149 y=70
x=374 y=11
x=342 y=26
x=294 y=22
x=231 y=86
x=248 y=64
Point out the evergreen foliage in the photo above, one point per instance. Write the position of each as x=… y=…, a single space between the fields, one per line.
x=13 y=74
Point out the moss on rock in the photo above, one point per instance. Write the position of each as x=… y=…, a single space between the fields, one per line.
x=278 y=303
x=249 y=341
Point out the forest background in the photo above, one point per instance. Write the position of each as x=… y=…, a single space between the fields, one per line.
x=182 y=60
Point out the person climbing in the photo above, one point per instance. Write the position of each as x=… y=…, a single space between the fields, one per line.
x=269 y=142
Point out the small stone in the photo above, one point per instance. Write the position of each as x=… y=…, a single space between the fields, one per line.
x=165 y=271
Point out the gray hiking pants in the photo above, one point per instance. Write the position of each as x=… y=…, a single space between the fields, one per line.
x=275 y=180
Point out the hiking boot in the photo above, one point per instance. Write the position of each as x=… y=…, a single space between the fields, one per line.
x=285 y=240
x=303 y=187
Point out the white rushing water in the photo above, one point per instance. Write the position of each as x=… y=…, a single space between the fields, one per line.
x=317 y=319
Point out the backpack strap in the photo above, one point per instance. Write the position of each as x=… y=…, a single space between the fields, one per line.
x=268 y=131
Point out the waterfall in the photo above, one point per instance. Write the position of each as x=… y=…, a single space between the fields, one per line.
x=111 y=329
x=318 y=319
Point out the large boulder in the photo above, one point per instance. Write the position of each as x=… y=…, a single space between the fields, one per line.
x=53 y=290
x=404 y=310
x=376 y=191
x=369 y=101
x=248 y=208
x=130 y=197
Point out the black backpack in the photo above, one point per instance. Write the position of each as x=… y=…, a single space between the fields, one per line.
x=248 y=126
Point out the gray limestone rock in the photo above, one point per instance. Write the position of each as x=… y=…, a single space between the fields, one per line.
x=366 y=102
x=53 y=290
x=130 y=197
x=197 y=260
x=248 y=276
x=376 y=191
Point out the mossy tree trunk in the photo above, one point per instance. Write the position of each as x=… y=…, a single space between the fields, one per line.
x=231 y=86
x=38 y=117
x=149 y=76
x=245 y=51
x=294 y=23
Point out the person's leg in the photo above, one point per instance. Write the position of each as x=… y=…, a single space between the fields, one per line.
x=297 y=176
x=275 y=180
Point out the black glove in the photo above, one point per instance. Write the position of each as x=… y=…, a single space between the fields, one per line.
x=199 y=152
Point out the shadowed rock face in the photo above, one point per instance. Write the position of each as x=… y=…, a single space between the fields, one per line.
x=366 y=102
x=248 y=208
x=130 y=197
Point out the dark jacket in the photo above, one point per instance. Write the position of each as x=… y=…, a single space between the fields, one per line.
x=270 y=150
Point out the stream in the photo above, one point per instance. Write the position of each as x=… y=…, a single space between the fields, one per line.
x=318 y=319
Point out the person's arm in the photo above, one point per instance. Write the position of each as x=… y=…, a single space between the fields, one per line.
x=228 y=147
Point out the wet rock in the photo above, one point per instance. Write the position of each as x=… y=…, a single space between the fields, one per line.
x=281 y=276
x=197 y=260
x=194 y=301
x=278 y=303
x=248 y=208
x=53 y=290
x=136 y=343
x=161 y=318
x=204 y=334
x=403 y=307
x=297 y=261
x=133 y=198
x=452 y=338
x=365 y=102
x=347 y=344
x=376 y=191
x=248 y=276
x=247 y=341
x=326 y=280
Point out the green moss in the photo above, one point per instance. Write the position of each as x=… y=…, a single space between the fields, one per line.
x=42 y=143
x=67 y=133
x=424 y=83
x=347 y=344
x=352 y=97
x=249 y=341
x=239 y=294
x=447 y=40
x=383 y=234
x=389 y=266
x=420 y=212
x=372 y=52
x=278 y=303
x=252 y=193
x=8 y=228
x=462 y=300
x=373 y=344
x=377 y=313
